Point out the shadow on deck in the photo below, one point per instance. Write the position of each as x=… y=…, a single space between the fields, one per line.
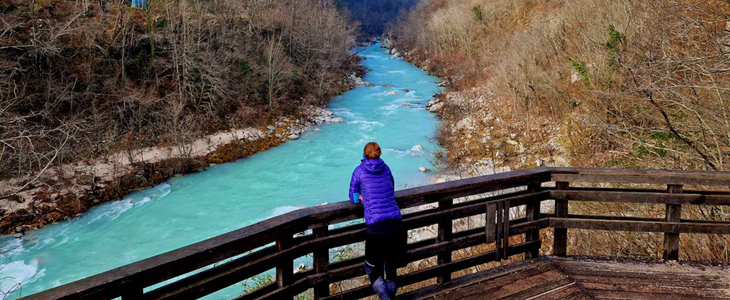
x=587 y=278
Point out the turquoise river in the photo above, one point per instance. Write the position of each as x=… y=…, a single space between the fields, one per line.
x=306 y=172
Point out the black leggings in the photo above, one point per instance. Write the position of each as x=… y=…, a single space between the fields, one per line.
x=385 y=253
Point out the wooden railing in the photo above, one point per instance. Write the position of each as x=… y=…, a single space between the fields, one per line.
x=211 y=265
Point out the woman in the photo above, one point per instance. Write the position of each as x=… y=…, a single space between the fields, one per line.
x=373 y=184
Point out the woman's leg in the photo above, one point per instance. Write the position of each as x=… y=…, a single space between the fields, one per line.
x=393 y=260
x=375 y=249
x=374 y=260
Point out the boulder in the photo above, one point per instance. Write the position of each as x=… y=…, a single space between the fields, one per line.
x=432 y=103
x=293 y=136
x=465 y=123
x=417 y=148
x=423 y=169
x=359 y=81
x=337 y=120
x=436 y=107
x=386 y=43
x=392 y=93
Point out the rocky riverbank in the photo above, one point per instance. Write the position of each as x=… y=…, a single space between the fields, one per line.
x=66 y=192
x=477 y=138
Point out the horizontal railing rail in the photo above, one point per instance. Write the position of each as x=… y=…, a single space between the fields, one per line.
x=220 y=262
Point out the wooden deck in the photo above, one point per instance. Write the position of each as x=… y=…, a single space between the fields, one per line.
x=585 y=278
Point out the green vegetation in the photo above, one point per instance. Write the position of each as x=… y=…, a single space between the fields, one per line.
x=477 y=10
x=580 y=68
x=615 y=40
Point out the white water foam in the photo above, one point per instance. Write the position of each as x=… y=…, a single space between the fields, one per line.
x=17 y=274
x=367 y=125
x=344 y=112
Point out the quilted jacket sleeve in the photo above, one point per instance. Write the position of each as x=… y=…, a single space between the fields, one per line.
x=355 y=183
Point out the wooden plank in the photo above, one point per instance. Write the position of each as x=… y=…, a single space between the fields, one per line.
x=620 y=218
x=505 y=228
x=489 y=285
x=284 y=269
x=662 y=177
x=491 y=223
x=639 y=226
x=601 y=294
x=544 y=288
x=445 y=227
x=673 y=214
x=571 y=291
x=669 y=280
x=499 y=235
x=505 y=291
x=637 y=190
x=321 y=257
x=533 y=213
x=560 y=235
x=640 y=197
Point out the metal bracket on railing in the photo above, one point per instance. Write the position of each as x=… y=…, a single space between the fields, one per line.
x=497 y=227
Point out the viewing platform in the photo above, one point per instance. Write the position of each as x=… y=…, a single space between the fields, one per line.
x=558 y=278
x=543 y=195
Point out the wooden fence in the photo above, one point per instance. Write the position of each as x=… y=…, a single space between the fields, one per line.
x=229 y=259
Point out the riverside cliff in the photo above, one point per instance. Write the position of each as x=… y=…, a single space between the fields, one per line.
x=99 y=99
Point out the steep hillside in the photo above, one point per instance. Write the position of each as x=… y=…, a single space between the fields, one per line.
x=597 y=83
x=82 y=80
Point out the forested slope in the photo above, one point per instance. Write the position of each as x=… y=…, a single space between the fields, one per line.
x=80 y=80
x=591 y=83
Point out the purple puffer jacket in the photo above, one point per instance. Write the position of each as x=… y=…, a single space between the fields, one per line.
x=373 y=180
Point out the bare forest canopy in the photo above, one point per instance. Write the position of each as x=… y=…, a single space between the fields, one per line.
x=375 y=15
x=80 y=78
x=618 y=83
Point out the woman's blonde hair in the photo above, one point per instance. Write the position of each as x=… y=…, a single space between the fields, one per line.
x=372 y=150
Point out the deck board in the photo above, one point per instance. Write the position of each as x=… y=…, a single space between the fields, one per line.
x=552 y=278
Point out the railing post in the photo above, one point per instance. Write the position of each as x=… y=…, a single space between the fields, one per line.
x=321 y=263
x=445 y=233
x=533 y=213
x=673 y=214
x=285 y=269
x=560 y=242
